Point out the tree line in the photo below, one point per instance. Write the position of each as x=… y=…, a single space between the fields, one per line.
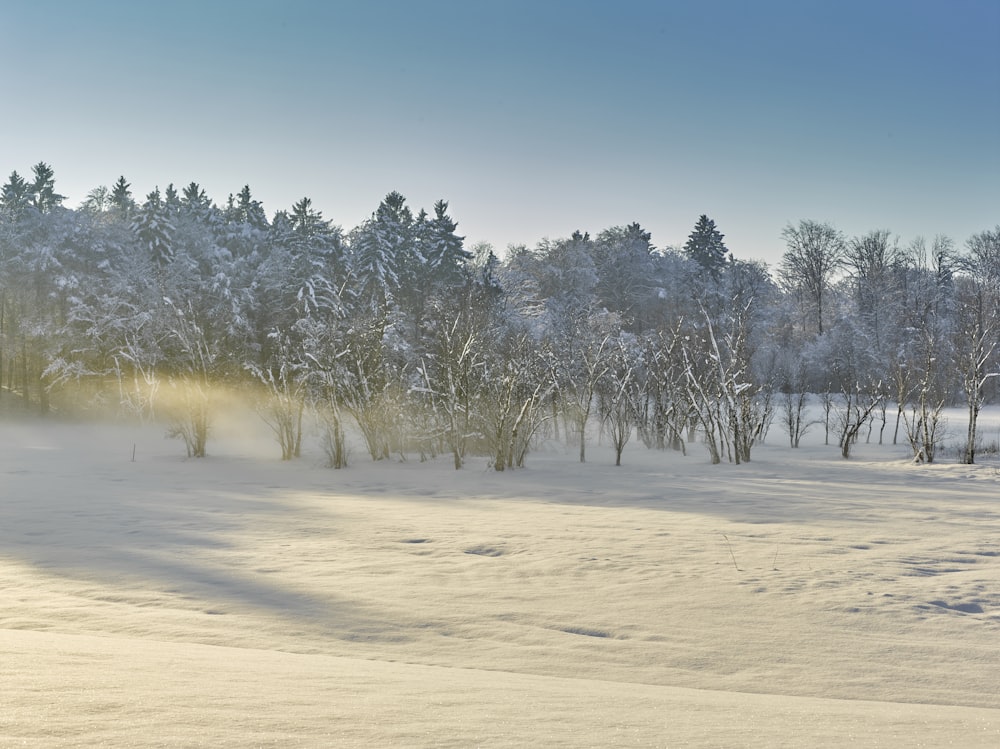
x=399 y=331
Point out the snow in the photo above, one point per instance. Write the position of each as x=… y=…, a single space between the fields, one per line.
x=234 y=601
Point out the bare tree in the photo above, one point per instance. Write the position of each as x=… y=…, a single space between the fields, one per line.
x=579 y=369
x=977 y=296
x=734 y=411
x=621 y=392
x=795 y=399
x=664 y=412
x=195 y=358
x=860 y=402
x=511 y=404
x=284 y=400
x=871 y=259
x=924 y=421
x=815 y=253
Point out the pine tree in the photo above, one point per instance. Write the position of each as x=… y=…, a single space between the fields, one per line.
x=442 y=249
x=194 y=200
x=384 y=252
x=316 y=254
x=121 y=198
x=44 y=195
x=246 y=210
x=15 y=195
x=155 y=230
x=171 y=200
x=705 y=246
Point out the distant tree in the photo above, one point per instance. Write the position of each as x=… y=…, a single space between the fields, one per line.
x=43 y=190
x=172 y=200
x=382 y=250
x=982 y=263
x=704 y=245
x=815 y=253
x=439 y=266
x=977 y=344
x=98 y=200
x=15 y=196
x=511 y=401
x=243 y=209
x=317 y=256
x=872 y=259
x=121 y=198
x=623 y=264
x=621 y=392
x=195 y=201
x=155 y=230
x=443 y=251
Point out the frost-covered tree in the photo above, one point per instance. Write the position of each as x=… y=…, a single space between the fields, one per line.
x=623 y=263
x=283 y=402
x=664 y=413
x=121 y=198
x=192 y=360
x=511 y=402
x=872 y=260
x=815 y=253
x=729 y=394
x=97 y=201
x=15 y=196
x=155 y=230
x=43 y=190
x=579 y=361
x=383 y=254
x=443 y=250
x=977 y=340
x=705 y=246
x=439 y=268
x=450 y=371
x=242 y=210
x=314 y=249
x=621 y=392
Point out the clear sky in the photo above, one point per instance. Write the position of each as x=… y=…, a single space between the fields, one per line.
x=533 y=118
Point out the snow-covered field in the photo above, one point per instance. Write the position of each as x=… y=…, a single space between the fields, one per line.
x=237 y=601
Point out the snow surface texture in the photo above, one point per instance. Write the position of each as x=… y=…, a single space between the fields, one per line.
x=237 y=601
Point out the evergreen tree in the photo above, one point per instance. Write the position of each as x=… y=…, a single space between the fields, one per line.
x=44 y=195
x=194 y=200
x=171 y=200
x=15 y=195
x=442 y=249
x=121 y=198
x=243 y=209
x=383 y=251
x=317 y=257
x=705 y=246
x=155 y=230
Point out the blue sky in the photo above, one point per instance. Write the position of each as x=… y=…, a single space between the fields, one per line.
x=532 y=119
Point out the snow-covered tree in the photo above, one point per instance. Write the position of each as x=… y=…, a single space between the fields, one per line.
x=43 y=190
x=705 y=246
x=383 y=253
x=815 y=253
x=623 y=264
x=15 y=196
x=977 y=344
x=872 y=260
x=155 y=230
x=121 y=198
